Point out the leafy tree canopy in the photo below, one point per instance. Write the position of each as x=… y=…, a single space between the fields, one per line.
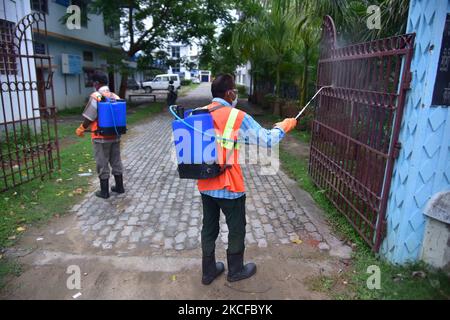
x=147 y=24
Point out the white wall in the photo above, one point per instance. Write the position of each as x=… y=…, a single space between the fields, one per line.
x=10 y=101
x=69 y=89
x=243 y=76
x=93 y=33
x=187 y=53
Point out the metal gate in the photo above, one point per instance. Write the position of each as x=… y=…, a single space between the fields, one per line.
x=356 y=126
x=28 y=131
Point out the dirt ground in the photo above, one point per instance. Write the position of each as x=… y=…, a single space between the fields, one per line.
x=284 y=271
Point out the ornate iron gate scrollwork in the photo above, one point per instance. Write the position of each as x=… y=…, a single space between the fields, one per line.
x=28 y=128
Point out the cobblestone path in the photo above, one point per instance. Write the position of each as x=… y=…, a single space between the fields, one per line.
x=161 y=211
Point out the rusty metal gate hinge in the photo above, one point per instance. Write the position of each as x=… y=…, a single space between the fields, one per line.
x=408 y=79
x=384 y=229
x=396 y=151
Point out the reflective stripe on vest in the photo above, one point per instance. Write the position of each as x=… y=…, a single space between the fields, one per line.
x=228 y=131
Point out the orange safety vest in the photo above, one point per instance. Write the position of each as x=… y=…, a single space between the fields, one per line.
x=227 y=122
x=94 y=124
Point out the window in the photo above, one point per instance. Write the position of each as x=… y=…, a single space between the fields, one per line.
x=176 y=52
x=8 y=64
x=83 y=4
x=39 y=48
x=88 y=56
x=64 y=3
x=165 y=78
x=176 y=68
x=39 y=5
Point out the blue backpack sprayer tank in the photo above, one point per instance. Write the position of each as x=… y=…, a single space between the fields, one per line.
x=196 y=143
x=112 y=116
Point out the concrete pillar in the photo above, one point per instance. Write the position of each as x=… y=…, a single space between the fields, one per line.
x=436 y=243
x=423 y=168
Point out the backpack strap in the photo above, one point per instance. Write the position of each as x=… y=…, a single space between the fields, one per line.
x=216 y=108
x=229 y=154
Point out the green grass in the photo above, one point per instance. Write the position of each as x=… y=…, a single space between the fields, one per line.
x=396 y=282
x=9 y=267
x=303 y=136
x=144 y=112
x=36 y=202
x=75 y=111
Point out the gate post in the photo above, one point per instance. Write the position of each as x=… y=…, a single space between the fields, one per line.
x=423 y=166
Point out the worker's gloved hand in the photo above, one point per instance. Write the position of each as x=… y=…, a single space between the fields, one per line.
x=287 y=124
x=80 y=131
x=98 y=97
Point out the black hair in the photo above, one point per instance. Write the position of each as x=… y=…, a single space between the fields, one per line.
x=221 y=85
x=171 y=81
x=100 y=77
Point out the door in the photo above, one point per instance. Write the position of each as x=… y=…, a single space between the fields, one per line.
x=165 y=83
x=157 y=83
x=176 y=81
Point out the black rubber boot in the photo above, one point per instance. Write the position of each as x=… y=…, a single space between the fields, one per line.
x=211 y=269
x=236 y=268
x=104 y=189
x=119 y=184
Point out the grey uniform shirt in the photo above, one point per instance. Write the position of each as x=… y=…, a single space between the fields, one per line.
x=90 y=113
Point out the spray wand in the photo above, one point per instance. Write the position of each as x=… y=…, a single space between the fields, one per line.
x=309 y=102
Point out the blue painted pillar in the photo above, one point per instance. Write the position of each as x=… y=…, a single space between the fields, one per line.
x=423 y=167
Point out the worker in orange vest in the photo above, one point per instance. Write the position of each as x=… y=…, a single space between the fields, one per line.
x=106 y=147
x=226 y=192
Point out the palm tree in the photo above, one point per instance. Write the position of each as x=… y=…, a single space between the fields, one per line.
x=270 y=36
x=281 y=38
x=307 y=55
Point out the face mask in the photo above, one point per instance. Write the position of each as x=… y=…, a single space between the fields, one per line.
x=235 y=101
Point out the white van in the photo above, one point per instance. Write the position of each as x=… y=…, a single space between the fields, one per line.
x=161 y=82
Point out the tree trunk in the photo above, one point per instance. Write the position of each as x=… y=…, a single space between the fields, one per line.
x=250 y=93
x=305 y=77
x=254 y=93
x=276 y=106
x=123 y=85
